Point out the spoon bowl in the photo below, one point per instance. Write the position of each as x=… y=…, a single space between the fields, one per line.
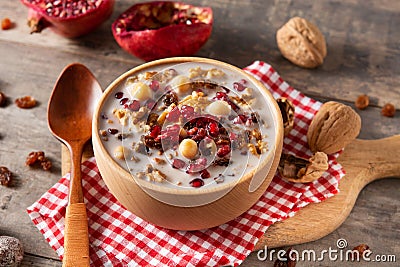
x=70 y=111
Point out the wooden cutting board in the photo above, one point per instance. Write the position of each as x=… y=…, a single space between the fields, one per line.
x=364 y=161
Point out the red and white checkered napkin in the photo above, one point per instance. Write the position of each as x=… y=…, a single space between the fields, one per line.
x=119 y=238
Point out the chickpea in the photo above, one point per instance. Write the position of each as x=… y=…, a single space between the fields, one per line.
x=219 y=108
x=119 y=152
x=181 y=84
x=188 y=148
x=140 y=91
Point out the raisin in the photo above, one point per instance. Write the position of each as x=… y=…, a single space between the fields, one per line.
x=5 y=176
x=3 y=99
x=36 y=158
x=170 y=98
x=25 y=102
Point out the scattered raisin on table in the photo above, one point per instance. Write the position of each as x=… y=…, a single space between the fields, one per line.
x=361 y=249
x=25 y=102
x=362 y=102
x=286 y=263
x=3 y=99
x=388 y=110
x=36 y=158
x=6 y=24
x=5 y=176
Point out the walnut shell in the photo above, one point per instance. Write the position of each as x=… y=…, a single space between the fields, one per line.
x=302 y=43
x=333 y=127
x=299 y=170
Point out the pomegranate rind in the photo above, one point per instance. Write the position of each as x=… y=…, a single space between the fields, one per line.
x=167 y=41
x=70 y=27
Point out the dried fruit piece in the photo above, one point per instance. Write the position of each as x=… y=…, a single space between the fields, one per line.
x=25 y=102
x=299 y=170
x=388 y=110
x=5 y=176
x=287 y=111
x=360 y=250
x=333 y=127
x=68 y=18
x=286 y=260
x=6 y=24
x=302 y=43
x=162 y=29
x=3 y=99
x=36 y=158
x=362 y=102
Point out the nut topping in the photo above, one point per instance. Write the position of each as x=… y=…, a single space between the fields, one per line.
x=287 y=110
x=299 y=170
x=302 y=43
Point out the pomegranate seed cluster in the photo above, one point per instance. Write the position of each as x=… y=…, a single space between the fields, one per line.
x=184 y=128
x=67 y=8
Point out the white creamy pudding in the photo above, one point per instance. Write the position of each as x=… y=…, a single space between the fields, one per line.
x=188 y=126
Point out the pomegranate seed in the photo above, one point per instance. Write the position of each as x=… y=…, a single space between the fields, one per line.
x=213 y=129
x=123 y=101
x=134 y=105
x=238 y=86
x=187 y=112
x=155 y=131
x=150 y=104
x=197 y=182
x=173 y=115
x=119 y=95
x=205 y=174
x=154 y=85
x=201 y=133
x=112 y=130
x=240 y=119
x=232 y=136
x=192 y=131
x=223 y=151
x=220 y=95
x=178 y=164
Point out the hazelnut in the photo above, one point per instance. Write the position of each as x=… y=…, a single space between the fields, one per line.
x=333 y=127
x=180 y=84
x=219 y=108
x=188 y=148
x=362 y=102
x=302 y=43
x=140 y=91
x=388 y=110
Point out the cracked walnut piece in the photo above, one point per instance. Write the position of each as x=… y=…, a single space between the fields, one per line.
x=302 y=43
x=333 y=127
x=299 y=170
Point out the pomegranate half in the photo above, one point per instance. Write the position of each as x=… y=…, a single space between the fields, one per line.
x=69 y=18
x=161 y=29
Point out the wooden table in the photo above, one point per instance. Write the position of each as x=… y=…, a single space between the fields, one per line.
x=363 y=57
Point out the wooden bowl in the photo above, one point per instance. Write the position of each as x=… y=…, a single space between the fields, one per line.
x=201 y=208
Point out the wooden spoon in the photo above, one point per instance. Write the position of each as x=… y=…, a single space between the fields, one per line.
x=69 y=116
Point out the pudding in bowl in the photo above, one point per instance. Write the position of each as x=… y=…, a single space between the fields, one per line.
x=187 y=143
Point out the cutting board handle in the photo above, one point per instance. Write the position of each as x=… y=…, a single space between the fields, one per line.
x=370 y=160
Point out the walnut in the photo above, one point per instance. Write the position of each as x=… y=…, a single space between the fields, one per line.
x=299 y=170
x=302 y=43
x=333 y=127
x=287 y=111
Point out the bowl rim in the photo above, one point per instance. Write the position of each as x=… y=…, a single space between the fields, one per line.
x=276 y=115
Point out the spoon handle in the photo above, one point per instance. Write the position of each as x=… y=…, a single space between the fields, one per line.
x=76 y=236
